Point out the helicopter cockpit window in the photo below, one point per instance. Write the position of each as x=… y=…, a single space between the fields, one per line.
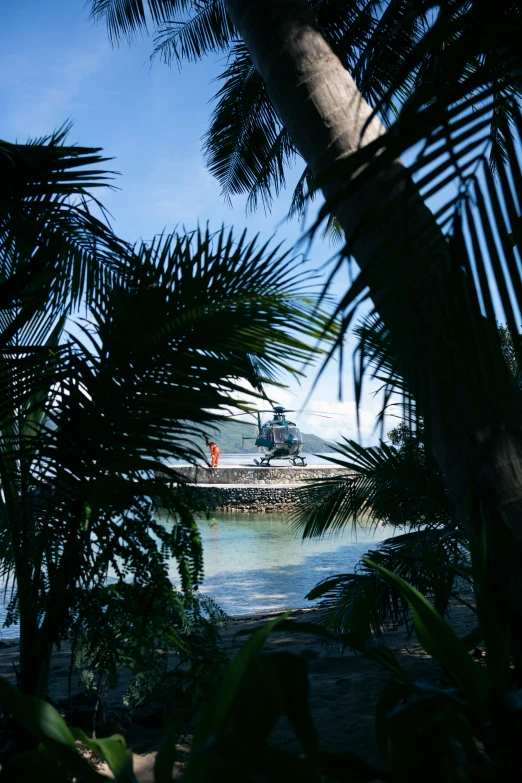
x=280 y=434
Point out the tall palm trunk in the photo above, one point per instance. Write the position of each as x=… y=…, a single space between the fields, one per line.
x=443 y=347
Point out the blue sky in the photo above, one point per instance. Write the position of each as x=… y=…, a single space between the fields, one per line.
x=56 y=65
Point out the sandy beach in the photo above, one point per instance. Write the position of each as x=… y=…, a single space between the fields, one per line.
x=344 y=688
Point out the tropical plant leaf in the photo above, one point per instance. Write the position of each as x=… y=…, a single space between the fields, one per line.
x=440 y=641
x=364 y=603
x=89 y=426
x=42 y=720
x=54 y=253
x=246 y=147
x=216 y=712
x=127 y=18
x=381 y=484
x=114 y=751
x=207 y=29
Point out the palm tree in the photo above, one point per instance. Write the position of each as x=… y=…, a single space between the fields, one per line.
x=446 y=82
x=396 y=484
x=88 y=419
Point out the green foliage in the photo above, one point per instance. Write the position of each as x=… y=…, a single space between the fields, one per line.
x=277 y=685
x=400 y=485
x=246 y=146
x=435 y=560
x=174 y=329
x=382 y=485
x=450 y=95
x=55 y=253
x=463 y=725
x=397 y=485
x=445 y=77
x=167 y=639
x=463 y=140
x=57 y=757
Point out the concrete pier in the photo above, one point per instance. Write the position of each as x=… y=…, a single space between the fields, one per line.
x=251 y=488
x=252 y=474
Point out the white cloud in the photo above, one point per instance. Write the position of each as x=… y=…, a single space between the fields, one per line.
x=341 y=421
x=342 y=416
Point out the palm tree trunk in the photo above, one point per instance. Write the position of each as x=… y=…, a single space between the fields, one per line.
x=442 y=347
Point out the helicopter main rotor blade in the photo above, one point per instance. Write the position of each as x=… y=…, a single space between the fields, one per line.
x=329 y=415
x=317 y=415
x=322 y=414
x=241 y=413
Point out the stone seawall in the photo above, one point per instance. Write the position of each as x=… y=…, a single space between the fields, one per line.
x=250 y=488
x=251 y=499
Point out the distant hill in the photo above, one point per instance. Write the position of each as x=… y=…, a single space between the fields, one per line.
x=229 y=439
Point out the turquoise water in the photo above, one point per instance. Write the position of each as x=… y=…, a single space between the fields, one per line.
x=257 y=563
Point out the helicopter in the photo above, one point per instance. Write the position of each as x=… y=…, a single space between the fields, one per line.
x=280 y=438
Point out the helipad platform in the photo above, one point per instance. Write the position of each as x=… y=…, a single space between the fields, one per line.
x=252 y=475
x=251 y=488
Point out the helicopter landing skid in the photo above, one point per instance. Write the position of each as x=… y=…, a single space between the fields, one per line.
x=302 y=463
x=264 y=463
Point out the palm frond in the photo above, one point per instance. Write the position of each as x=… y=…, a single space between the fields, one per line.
x=374 y=356
x=464 y=124
x=304 y=191
x=246 y=147
x=208 y=29
x=46 y=166
x=87 y=426
x=54 y=253
x=125 y=19
x=381 y=485
x=434 y=561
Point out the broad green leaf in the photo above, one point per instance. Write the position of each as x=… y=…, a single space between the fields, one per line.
x=419 y=740
x=287 y=677
x=167 y=754
x=391 y=695
x=440 y=641
x=216 y=712
x=114 y=751
x=47 y=725
x=37 y=715
x=473 y=638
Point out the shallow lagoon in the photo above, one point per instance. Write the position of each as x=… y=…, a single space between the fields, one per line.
x=258 y=563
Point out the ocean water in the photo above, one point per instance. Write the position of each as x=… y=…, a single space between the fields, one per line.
x=258 y=563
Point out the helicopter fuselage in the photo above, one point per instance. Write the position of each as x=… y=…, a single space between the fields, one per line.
x=280 y=439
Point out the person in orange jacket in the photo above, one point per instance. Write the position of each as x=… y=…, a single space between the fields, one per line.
x=214 y=453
